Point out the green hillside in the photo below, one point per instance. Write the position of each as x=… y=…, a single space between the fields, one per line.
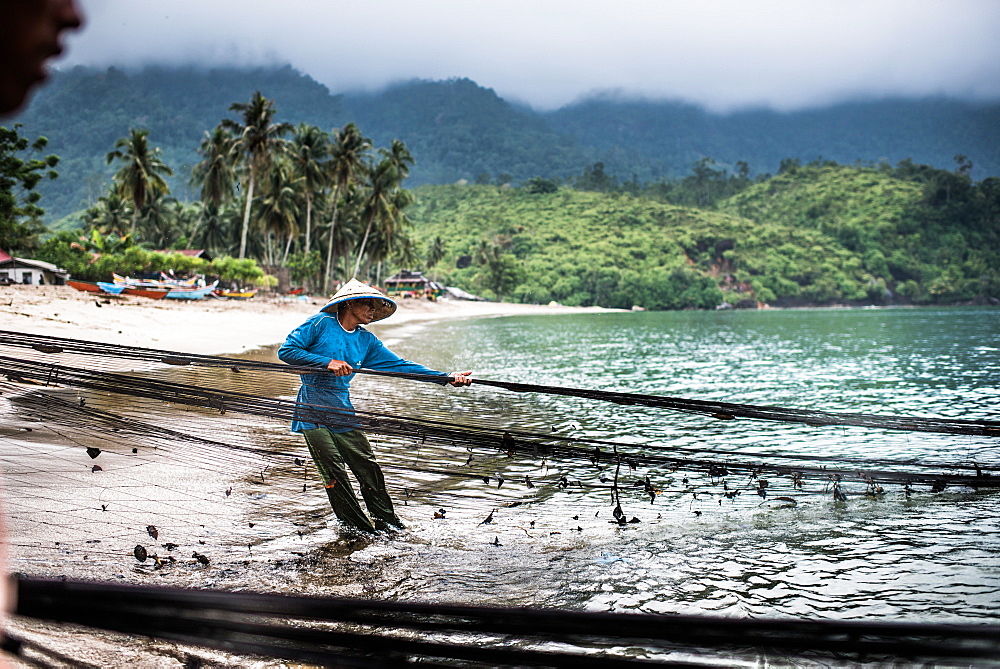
x=552 y=227
x=460 y=130
x=926 y=235
x=655 y=139
x=84 y=111
x=810 y=236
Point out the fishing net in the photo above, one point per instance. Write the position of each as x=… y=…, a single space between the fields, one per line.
x=347 y=633
x=151 y=458
x=129 y=412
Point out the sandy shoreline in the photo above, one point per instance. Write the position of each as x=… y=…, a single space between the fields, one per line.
x=210 y=326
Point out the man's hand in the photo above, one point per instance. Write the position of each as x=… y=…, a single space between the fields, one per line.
x=460 y=378
x=339 y=367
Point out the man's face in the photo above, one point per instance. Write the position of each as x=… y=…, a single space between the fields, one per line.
x=29 y=35
x=363 y=310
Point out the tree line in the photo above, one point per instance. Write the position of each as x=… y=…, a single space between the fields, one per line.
x=813 y=234
x=328 y=205
x=322 y=204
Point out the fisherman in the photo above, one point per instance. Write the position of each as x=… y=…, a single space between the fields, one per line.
x=335 y=340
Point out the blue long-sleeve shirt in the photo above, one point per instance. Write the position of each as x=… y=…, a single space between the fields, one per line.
x=326 y=397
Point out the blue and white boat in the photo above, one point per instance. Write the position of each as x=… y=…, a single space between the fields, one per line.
x=185 y=293
x=110 y=288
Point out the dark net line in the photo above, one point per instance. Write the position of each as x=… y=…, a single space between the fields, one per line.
x=349 y=632
x=498 y=459
x=442 y=439
x=720 y=410
x=501 y=439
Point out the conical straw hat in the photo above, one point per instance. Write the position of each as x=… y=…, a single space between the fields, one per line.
x=355 y=290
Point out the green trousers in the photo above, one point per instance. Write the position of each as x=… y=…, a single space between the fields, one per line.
x=334 y=453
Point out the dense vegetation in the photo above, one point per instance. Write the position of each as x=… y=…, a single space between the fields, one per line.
x=459 y=130
x=96 y=258
x=813 y=235
x=322 y=206
x=22 y=167
x=661 y=139
x=316 y=204
x=921 y=234
x=84 y=111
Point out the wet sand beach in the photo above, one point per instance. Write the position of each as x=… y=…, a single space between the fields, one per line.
x=212 y=327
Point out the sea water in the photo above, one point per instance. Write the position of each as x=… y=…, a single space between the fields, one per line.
x=920 y=556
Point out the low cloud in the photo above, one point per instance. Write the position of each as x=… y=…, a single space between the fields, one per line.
x=722 y=54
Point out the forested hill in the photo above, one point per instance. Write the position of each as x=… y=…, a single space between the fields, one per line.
x=457 y=129
x=83 y=112
x=812 y=235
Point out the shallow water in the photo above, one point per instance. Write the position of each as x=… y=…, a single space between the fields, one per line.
x=928 y=556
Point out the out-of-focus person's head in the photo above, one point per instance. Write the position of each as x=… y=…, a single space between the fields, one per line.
x=30 y=32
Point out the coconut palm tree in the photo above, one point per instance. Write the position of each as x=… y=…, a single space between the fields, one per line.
x=280 y=207
x=386 y=199
x=383 y=204
x=400 y=158
x=141 y=178
x=345 y=233
x=435 y=251
x=110 y=216
x=159 y=223
x=310 y=149
x=212 y=231
x=216 y=173
x=258 y=140
x=348 y=162
x=403 y=251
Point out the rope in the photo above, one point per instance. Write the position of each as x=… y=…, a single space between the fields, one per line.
x=720 y=410
x=381 y=633
x=504 y=440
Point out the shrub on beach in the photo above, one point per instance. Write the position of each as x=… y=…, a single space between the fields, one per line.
x=82 y=260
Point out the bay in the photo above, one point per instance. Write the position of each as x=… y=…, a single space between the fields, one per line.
x=921 y=556
x=490 y=527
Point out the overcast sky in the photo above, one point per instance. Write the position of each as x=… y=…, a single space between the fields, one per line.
x=722 y=54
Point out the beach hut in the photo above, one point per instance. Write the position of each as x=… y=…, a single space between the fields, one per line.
x=30 y=272
x=412 y=283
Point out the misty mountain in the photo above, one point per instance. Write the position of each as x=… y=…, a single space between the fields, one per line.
x=457 y=129
x=663 y=139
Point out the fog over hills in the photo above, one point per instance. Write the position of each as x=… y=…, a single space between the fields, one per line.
x=457 y=129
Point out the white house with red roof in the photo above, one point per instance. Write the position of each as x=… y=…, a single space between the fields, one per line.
x=30 y=272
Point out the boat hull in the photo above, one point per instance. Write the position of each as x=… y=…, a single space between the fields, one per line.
x=110 y=288
x=85 y=286
x=151 y=293
x=236 y=295
x=177 y=293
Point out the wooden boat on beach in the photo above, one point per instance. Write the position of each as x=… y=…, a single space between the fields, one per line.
x=85 y=286
x=155 y=283
x=185 y=293
x=110 y=288
x=151 y=293
x=175 y=289
x=236 y=294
